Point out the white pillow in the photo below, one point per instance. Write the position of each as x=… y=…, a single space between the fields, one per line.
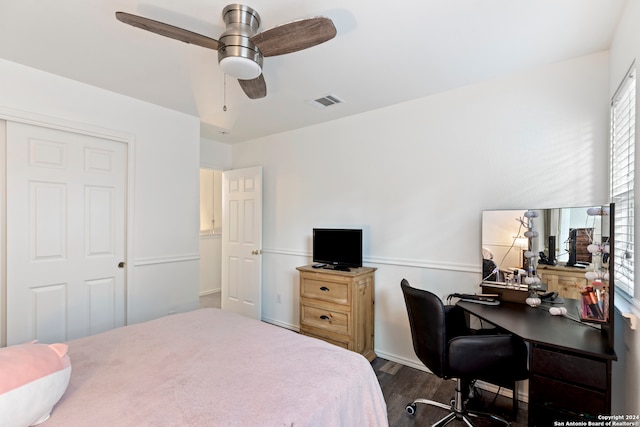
x=34 y=377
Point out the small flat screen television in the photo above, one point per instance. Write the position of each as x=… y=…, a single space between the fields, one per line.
x=337 y=247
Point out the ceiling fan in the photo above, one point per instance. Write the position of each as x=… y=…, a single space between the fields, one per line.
x=241 y=47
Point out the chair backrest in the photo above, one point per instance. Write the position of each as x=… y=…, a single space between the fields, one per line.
x=428 y=327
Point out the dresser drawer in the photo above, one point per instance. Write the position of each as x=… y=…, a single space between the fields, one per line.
x=567 y=397
x=567 y=367
x=335 y=292
x=544 y=416
x=325 y=319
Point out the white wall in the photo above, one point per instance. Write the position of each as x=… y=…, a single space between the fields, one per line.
x=162 y=273
x=215 y=155
x=624 y=50
x=416 y=177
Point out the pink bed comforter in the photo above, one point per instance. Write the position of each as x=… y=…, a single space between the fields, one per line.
x=213 y=368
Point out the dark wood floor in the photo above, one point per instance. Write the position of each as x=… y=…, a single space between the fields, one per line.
x=401 y=384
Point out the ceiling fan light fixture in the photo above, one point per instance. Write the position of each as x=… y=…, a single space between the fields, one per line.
x=241 y=48
x=240 y=68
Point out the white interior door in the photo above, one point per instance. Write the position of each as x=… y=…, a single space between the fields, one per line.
x=66 y=214
x=242 y=242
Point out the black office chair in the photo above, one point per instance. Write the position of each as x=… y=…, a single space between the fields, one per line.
x=444 y=343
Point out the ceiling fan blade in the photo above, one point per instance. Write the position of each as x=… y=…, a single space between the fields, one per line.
x=254 y=88
x=294 y=36
x=168 y=30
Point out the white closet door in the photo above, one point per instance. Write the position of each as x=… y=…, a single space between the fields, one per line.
x=66 y=225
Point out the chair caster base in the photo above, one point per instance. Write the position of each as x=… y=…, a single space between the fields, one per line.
x=411 y=409
x=460 y=414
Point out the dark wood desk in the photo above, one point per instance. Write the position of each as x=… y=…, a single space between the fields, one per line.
x=569 y=361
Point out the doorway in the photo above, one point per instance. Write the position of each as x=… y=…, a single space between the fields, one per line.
x=210 y=237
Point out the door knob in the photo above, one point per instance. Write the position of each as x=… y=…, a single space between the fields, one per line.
x=256 y=252
x=121 y=264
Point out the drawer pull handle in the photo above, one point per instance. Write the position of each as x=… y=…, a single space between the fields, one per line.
x=324 y=317
x=324 y=289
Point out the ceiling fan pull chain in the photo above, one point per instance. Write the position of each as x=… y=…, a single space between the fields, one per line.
x=224 y=94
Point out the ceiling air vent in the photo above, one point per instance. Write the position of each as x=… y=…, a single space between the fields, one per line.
x=325 y=101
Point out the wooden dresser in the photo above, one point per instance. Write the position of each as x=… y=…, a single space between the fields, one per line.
x=563 y=280
x=338 y=307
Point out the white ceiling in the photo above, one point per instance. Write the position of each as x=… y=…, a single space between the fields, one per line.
x=382 y=54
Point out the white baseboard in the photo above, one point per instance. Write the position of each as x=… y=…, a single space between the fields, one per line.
x=289 y=326
x=403 y=361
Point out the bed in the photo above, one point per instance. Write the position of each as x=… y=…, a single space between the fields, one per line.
x=210 y=367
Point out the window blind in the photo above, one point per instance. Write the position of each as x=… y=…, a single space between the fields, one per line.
x=622 y=165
